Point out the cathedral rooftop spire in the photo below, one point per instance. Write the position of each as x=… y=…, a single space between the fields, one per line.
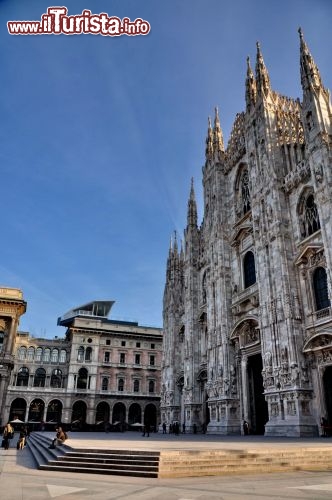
x=175 y=244
x=251 y=89
x=262 y=75
x=192 y=207
x=310 y=77
x=209 y=142
x=218 y=140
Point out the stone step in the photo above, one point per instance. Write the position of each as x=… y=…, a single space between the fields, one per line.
x=63 y=458
x=118 y=461
x=97 y=465
x=101 y=470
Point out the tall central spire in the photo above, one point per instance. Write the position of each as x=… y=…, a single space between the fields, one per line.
x=209 y=142
x=262 y=75
x=192 y=207
x=310 y=76
x=218 y=141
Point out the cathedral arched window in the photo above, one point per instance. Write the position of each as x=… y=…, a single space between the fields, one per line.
x=309 y=218
x=320 y=289
x=204 y=288
x=245 y=192
x=39 y=378
x=22 y=377
x=249 y=270
x=82 y=380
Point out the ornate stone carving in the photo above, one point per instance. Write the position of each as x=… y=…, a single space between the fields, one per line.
x=295 y=177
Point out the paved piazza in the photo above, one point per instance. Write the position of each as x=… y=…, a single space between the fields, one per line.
x=20 y=480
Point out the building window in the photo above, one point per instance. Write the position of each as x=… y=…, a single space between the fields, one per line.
x=137 y=359
x=320 y=289
x=136 y=385
x=107 y=357
x=153 y=346
x=88 y=354
x=138 y=344
x=82 y=380
x=120 y=385
x=2 y=335
x=80 y=354
x=31 y=354
x=39 y=378
x=47 y=355
x=39 y=354
x=104 y=384
x=22 y=352
x=152 y=360
x=55 y=356
x=249 y=269
x=122 y=358
x=108 y=341
x=56 y=378
x=151 y=386
x=23 y=377
x=63 y=356
x=123 y=343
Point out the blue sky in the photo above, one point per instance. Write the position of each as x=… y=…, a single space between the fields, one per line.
x=100 y=136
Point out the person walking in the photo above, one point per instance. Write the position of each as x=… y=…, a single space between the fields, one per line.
x=164 y=428
x=8 y=433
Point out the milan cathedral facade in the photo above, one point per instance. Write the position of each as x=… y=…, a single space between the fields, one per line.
x=247 y=313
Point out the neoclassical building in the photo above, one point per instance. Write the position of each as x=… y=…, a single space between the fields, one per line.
x=102 y=371
x=247 y=313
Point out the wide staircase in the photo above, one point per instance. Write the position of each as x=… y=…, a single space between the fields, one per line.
x=179 y=463
x=92 y=461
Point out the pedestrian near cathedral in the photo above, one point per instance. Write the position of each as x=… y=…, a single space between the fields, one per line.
x=8 y=433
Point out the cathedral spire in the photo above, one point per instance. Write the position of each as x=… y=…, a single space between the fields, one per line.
x=209 y=142
x=192 y=207
x=218 y=141
x=262 y=75
x=251 y=89
x=175 y=244
x=310 y=77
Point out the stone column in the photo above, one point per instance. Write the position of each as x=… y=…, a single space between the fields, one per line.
x=244 y=392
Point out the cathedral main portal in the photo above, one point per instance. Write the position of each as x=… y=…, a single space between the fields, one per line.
x=258 y=410
x=327 y=380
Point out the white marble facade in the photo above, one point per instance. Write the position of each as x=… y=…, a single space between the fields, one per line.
x=247 y=316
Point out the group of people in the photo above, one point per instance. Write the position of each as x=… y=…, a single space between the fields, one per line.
x=8 y=434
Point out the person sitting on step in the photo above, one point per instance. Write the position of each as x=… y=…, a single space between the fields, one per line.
x=59 y=439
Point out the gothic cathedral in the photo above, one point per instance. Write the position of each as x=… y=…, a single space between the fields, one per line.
x=247 y=312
